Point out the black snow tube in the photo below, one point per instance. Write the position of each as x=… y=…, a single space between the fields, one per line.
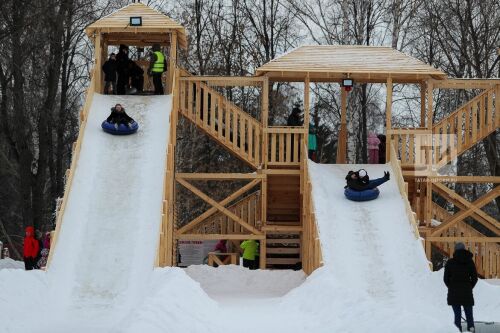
x=121 y=129
x=365 y=195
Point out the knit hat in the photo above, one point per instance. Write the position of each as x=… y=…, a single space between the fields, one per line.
x=459 y=246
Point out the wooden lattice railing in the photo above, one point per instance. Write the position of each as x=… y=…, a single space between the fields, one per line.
x=221 y=119
x=285 y=145
x=466 y=126
x=485 y=250
x=248 y=209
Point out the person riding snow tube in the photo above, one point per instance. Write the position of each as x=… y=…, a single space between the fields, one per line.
x=360 y=188
x=119 y=122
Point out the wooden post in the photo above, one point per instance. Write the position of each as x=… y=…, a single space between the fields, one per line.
x=428 y=202
x=388 y=120
x=342 y=142
x=173 y=61
x=98 y=62
x=306 y=110
x=265 y=120
x=430 y=112
x=423 y=88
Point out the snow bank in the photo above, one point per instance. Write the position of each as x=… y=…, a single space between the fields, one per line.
x=173 y=303
x=9 y=263
x=234 y=281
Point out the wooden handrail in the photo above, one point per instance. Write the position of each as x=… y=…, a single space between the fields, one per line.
x=398 y=176
x=74 y=160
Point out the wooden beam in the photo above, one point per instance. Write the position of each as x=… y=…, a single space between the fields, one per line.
x=98 y=62
x=218 y=236
x=307 y=110
x=282 y=228
x=462 y=204
x=465 y=83
x=463 y=239
x=212 y=210
x=227 y=80
x=219 y=207
x=423 y=88
x=342 y=140
x=219 y=176
x=430 y=103
x=466 y=179
x=388 y=118
x=469 y=209
x=173 y=61
x=265 y=120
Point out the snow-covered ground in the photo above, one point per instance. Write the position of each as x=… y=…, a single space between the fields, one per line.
x=375 y=276
x=9 y=263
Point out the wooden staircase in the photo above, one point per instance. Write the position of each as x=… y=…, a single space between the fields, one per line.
x=465 y=127
x=222 y=120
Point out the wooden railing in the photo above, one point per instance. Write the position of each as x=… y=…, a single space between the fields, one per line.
x=403 y=190
x=248 y=209
x=285 y=145
x=221 y=119
x=74 y=160
x=466 y=126
x=312 y=257
x=166 y=246
x=412 y=145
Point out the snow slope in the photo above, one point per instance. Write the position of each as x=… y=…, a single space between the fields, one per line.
x=109 y=236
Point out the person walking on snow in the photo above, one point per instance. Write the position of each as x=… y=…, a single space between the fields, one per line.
x=30 y=249
x=119 y=116
x=460 y=276
x=373 y=143
x=157 y=65
x=359 y=180
x=249 y=248
x=109 y=69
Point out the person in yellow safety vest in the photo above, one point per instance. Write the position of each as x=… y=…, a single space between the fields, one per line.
x=157 y=65
x=249 y=248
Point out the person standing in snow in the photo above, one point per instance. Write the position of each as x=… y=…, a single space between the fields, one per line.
x=249 y=248
x=373 y=146
x=460 y=276
x=42 y=262
x=30 y=249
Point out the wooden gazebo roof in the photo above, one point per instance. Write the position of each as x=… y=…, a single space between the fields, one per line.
x=326 y=63
x=154 y=24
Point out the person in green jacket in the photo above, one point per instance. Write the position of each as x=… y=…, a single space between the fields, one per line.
x=250 y=248
x=312 y=142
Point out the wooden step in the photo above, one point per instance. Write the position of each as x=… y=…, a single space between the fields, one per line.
x=276 y=229
x=283 y=261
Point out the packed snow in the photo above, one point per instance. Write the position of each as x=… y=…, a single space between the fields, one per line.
x=8 y=263
x=375 y=276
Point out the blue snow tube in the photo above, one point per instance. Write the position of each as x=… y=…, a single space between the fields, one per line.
x=121 y=130
x=365 y=195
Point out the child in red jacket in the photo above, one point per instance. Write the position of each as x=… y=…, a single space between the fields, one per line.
x=30 y=249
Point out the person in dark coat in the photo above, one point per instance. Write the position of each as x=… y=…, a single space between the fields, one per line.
x=122 y=62
x=295 y=118
x=359 y=180
x=109 y=69
x=31 y=249
x=460 y=276
x=381 y=149
x=136 y=76
x=119 y=116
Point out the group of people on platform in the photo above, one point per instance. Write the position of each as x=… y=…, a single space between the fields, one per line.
x=124 y=76
x=36 y=248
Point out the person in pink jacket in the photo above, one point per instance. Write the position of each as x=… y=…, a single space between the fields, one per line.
x=373 y=143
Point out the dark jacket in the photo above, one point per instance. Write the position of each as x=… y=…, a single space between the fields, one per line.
x=135 y=70
x=122 y=61
x=119 y=117
x=294 y=119
x=460 y=276
x=109 y=69
x=358 y=184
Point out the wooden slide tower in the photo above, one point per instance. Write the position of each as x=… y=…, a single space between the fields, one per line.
x=274 y=204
